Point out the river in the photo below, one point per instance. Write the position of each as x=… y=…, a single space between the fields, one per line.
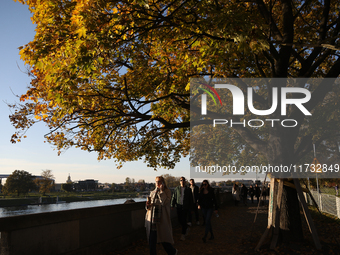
x=31 y=209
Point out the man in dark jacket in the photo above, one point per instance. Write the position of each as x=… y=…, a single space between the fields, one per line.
x=251 y=193
x=182 y=200
x=257 y=192
x=194 y=209
x=244 y=193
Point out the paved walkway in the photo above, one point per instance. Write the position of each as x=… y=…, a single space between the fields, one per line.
x=236 y=233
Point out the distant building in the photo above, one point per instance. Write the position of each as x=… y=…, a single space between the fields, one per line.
x=69 y=181
x=106 y=186
x=57 y=187
x=86 y=185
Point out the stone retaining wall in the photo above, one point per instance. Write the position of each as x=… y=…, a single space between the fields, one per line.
x=96 y=230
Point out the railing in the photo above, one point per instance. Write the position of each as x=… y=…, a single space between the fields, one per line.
x=327 y=203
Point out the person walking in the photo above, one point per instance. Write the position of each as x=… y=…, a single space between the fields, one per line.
x=264 y=194
x=207 y=203
x=336 y=190
x=244 y=193
x=157 y=218
x=251 y=193
x=194 y=210
x=257 y=192
x=236 y=193
x=182 y=200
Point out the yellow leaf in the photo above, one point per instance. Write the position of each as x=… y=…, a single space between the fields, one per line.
x=187 y=88
x=81 y=32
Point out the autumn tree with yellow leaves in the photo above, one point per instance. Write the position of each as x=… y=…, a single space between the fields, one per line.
x=112 y=76
x=45 y=182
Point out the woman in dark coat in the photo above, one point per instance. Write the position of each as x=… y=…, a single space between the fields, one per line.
x=207 y=203
x=251 y=193
x=236 y=193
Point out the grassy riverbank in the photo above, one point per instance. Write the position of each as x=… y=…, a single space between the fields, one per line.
x=33 y=198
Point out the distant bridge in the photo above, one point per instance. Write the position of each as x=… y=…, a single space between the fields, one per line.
x=5 y=176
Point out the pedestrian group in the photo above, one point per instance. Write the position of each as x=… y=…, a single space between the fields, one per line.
x=187 y=201
x=241 y=194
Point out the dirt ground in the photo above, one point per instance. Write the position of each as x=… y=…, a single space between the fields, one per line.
x=236 y=233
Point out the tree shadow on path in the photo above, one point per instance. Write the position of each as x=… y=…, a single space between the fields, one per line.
x=236 y=233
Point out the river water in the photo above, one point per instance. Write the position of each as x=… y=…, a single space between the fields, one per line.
x=31 y=209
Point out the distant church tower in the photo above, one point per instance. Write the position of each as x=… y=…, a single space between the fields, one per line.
x=69 y=179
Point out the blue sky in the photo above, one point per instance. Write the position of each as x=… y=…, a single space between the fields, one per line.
x=32 y=154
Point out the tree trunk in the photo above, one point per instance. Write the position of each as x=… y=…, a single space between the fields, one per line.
x=281 y=152
x=290 y=217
